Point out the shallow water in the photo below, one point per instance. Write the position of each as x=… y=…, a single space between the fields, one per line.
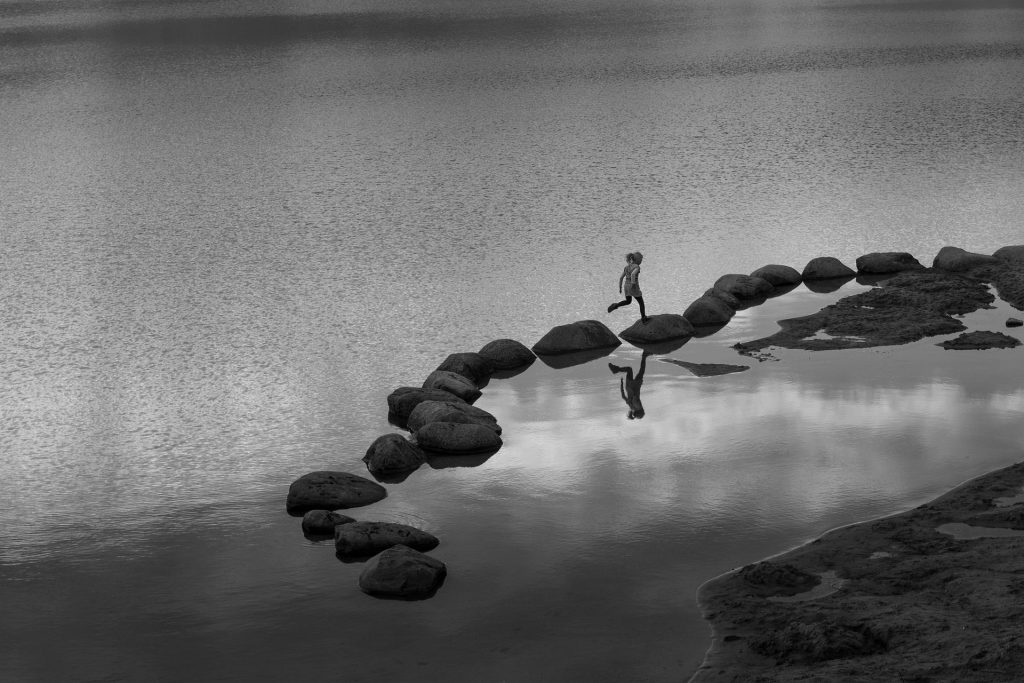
x=226 y=240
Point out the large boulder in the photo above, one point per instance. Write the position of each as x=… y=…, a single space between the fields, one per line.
x=1011 y=253
x=457 y=437
x=403 y=400
x=743 y=286
x=453 y=383
x=470 y=365
x=403 y=573
x=778 y=276
x=582 y=335
x=708 y=310
x=322 y=522
x=361 y=539
x=880 y=263
x=955 y=259
x=393 y=454
x=507 y=354
x=826 y=267
x=729 y=300
x=331 y=490
x=658 y=328
x=450 y=411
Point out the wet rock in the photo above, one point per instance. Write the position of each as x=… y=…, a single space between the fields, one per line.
x=449 y=411
x=470 y=365
x=454 y=384
x=743 y=286
x=727 y=298
x=878 y=263
x=1014 y=322
x=403 y=400
x=329 y=490
x=362 y=539
x=507 y=354
x=457 y=437
x=582 y=335
x=826 y=267
x=778 y=276
x=1011 y=253
x=322 y=522
x=954 y=259
x=403 y=573
x=658 y=328
x=393 y=454
x=708 y=310
x=981 y=340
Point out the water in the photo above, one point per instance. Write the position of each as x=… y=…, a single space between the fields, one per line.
x=230 y=230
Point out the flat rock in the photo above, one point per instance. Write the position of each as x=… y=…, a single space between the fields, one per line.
x=457 y=437
x=778 y=275
x=393 y=454
x=470 y=365
x=362 y=539
x=743 y=286
x=450 y=411
x=1011 y=253
x=882 y=262
x=329 y=490
x=706 y=369
x=582 y=335
x=403 y=573
x=955 y=259
x=322 y=522
x=453 y=383
x=658 y=328
x=403 y=400
x=825 y=268
x=507 y=354
x=708 y=310
x=981 y=340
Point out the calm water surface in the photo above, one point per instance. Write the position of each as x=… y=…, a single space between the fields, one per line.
x=230 y=230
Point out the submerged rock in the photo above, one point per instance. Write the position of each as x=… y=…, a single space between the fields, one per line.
x=778 y=276
x=361 y=539
x=582 y=335
x=453 y=383
x=826 y=267
x=457 y=437
x=470 y=365
x=955 y=259
x=322 y=522
x=658 y=328
x=981 y=340
x=393 y=454
x=403 y=400
x=708 y=310
x=507 y=354
x=329 y=490
x=743 y=286
x=449 y=411
x=879 y=263
x=403 y=573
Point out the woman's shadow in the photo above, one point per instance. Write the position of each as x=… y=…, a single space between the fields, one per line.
x=629 y=387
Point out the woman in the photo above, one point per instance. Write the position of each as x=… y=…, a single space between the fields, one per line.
x=631 y=276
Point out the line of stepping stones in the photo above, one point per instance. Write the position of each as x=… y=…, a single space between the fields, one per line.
x=442 y=420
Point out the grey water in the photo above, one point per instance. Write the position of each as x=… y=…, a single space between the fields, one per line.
x=230 y=229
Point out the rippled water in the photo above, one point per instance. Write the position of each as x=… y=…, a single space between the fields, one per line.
x=230 y=230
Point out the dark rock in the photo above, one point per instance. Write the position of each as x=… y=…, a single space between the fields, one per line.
x=887 y=262
x=743 y=286
x=403 y=400
x=403 y=573
x=450 y=411
x=981 y=340
x=708 y=310
x=954 y=259
x=819 y=641
x=706 y=369
x=456 y=437
x=393 y=454
x=331 y=490
x=453 y=383
x=362 y=539
x=770 y=578
x=582 y=335
x=826 y=267
x=567 y=360
x=778 y=276
x=470 y=365
x=1014 y=322
x=322 y=522
x=507 y=354
x=1009 y=282
x=658 y=328
x=727 y=298
x=1011 y=253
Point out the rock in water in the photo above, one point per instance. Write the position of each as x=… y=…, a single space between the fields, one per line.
x=778 y=276
x=331 y=490
x=826 y=267
x=393 y=454
x=455 y=438
x=582 y=335
x=322 y=522
x=403 y=400
x=450 y=411
x=404 y=573
x=472 y=366
x=954 y=259
x=658 y=328
x=709 y=310
x=361 y=539
x=453 y=383
x=879 y=263
x=743 y=286
x=970 y=341
x=507 y=354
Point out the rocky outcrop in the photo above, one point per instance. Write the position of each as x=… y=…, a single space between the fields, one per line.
x=449 y=411
x=457 y=437
x=328 y=490
x=322 y=522
x=727 y=298
x=470 y=365
x=403 y=400
x=981 y=340
x=362 y=539
x=403 y=573
x=955 y=260
x=743 y=286
x=708 y=310
x=879 y=263
x=778 y=276
x=507 y=354
x=658 y=328
x=583 y=335
x=825 y=268
x=1011 y=253
x=454 y=384
x=1008 y=279
x=392 y=454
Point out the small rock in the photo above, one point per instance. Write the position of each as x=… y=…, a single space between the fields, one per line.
x=393 y=454
x=743 y=286
x=332 y=490
x=1014 y=322
x=970 y=341
x=470 y=365
x=658 y=328
x=708 y=310
x=878 y=263
x=778 y=276
x=453 y=383
x=582 y=335
x=455 y=437
x=450 y=411
x=362 y=539
x=507 y=354
x=404 y=573
x=322 y=522
x=826 y=267
x=403 y=400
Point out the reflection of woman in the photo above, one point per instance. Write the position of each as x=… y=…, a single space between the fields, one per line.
x=629 y=387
